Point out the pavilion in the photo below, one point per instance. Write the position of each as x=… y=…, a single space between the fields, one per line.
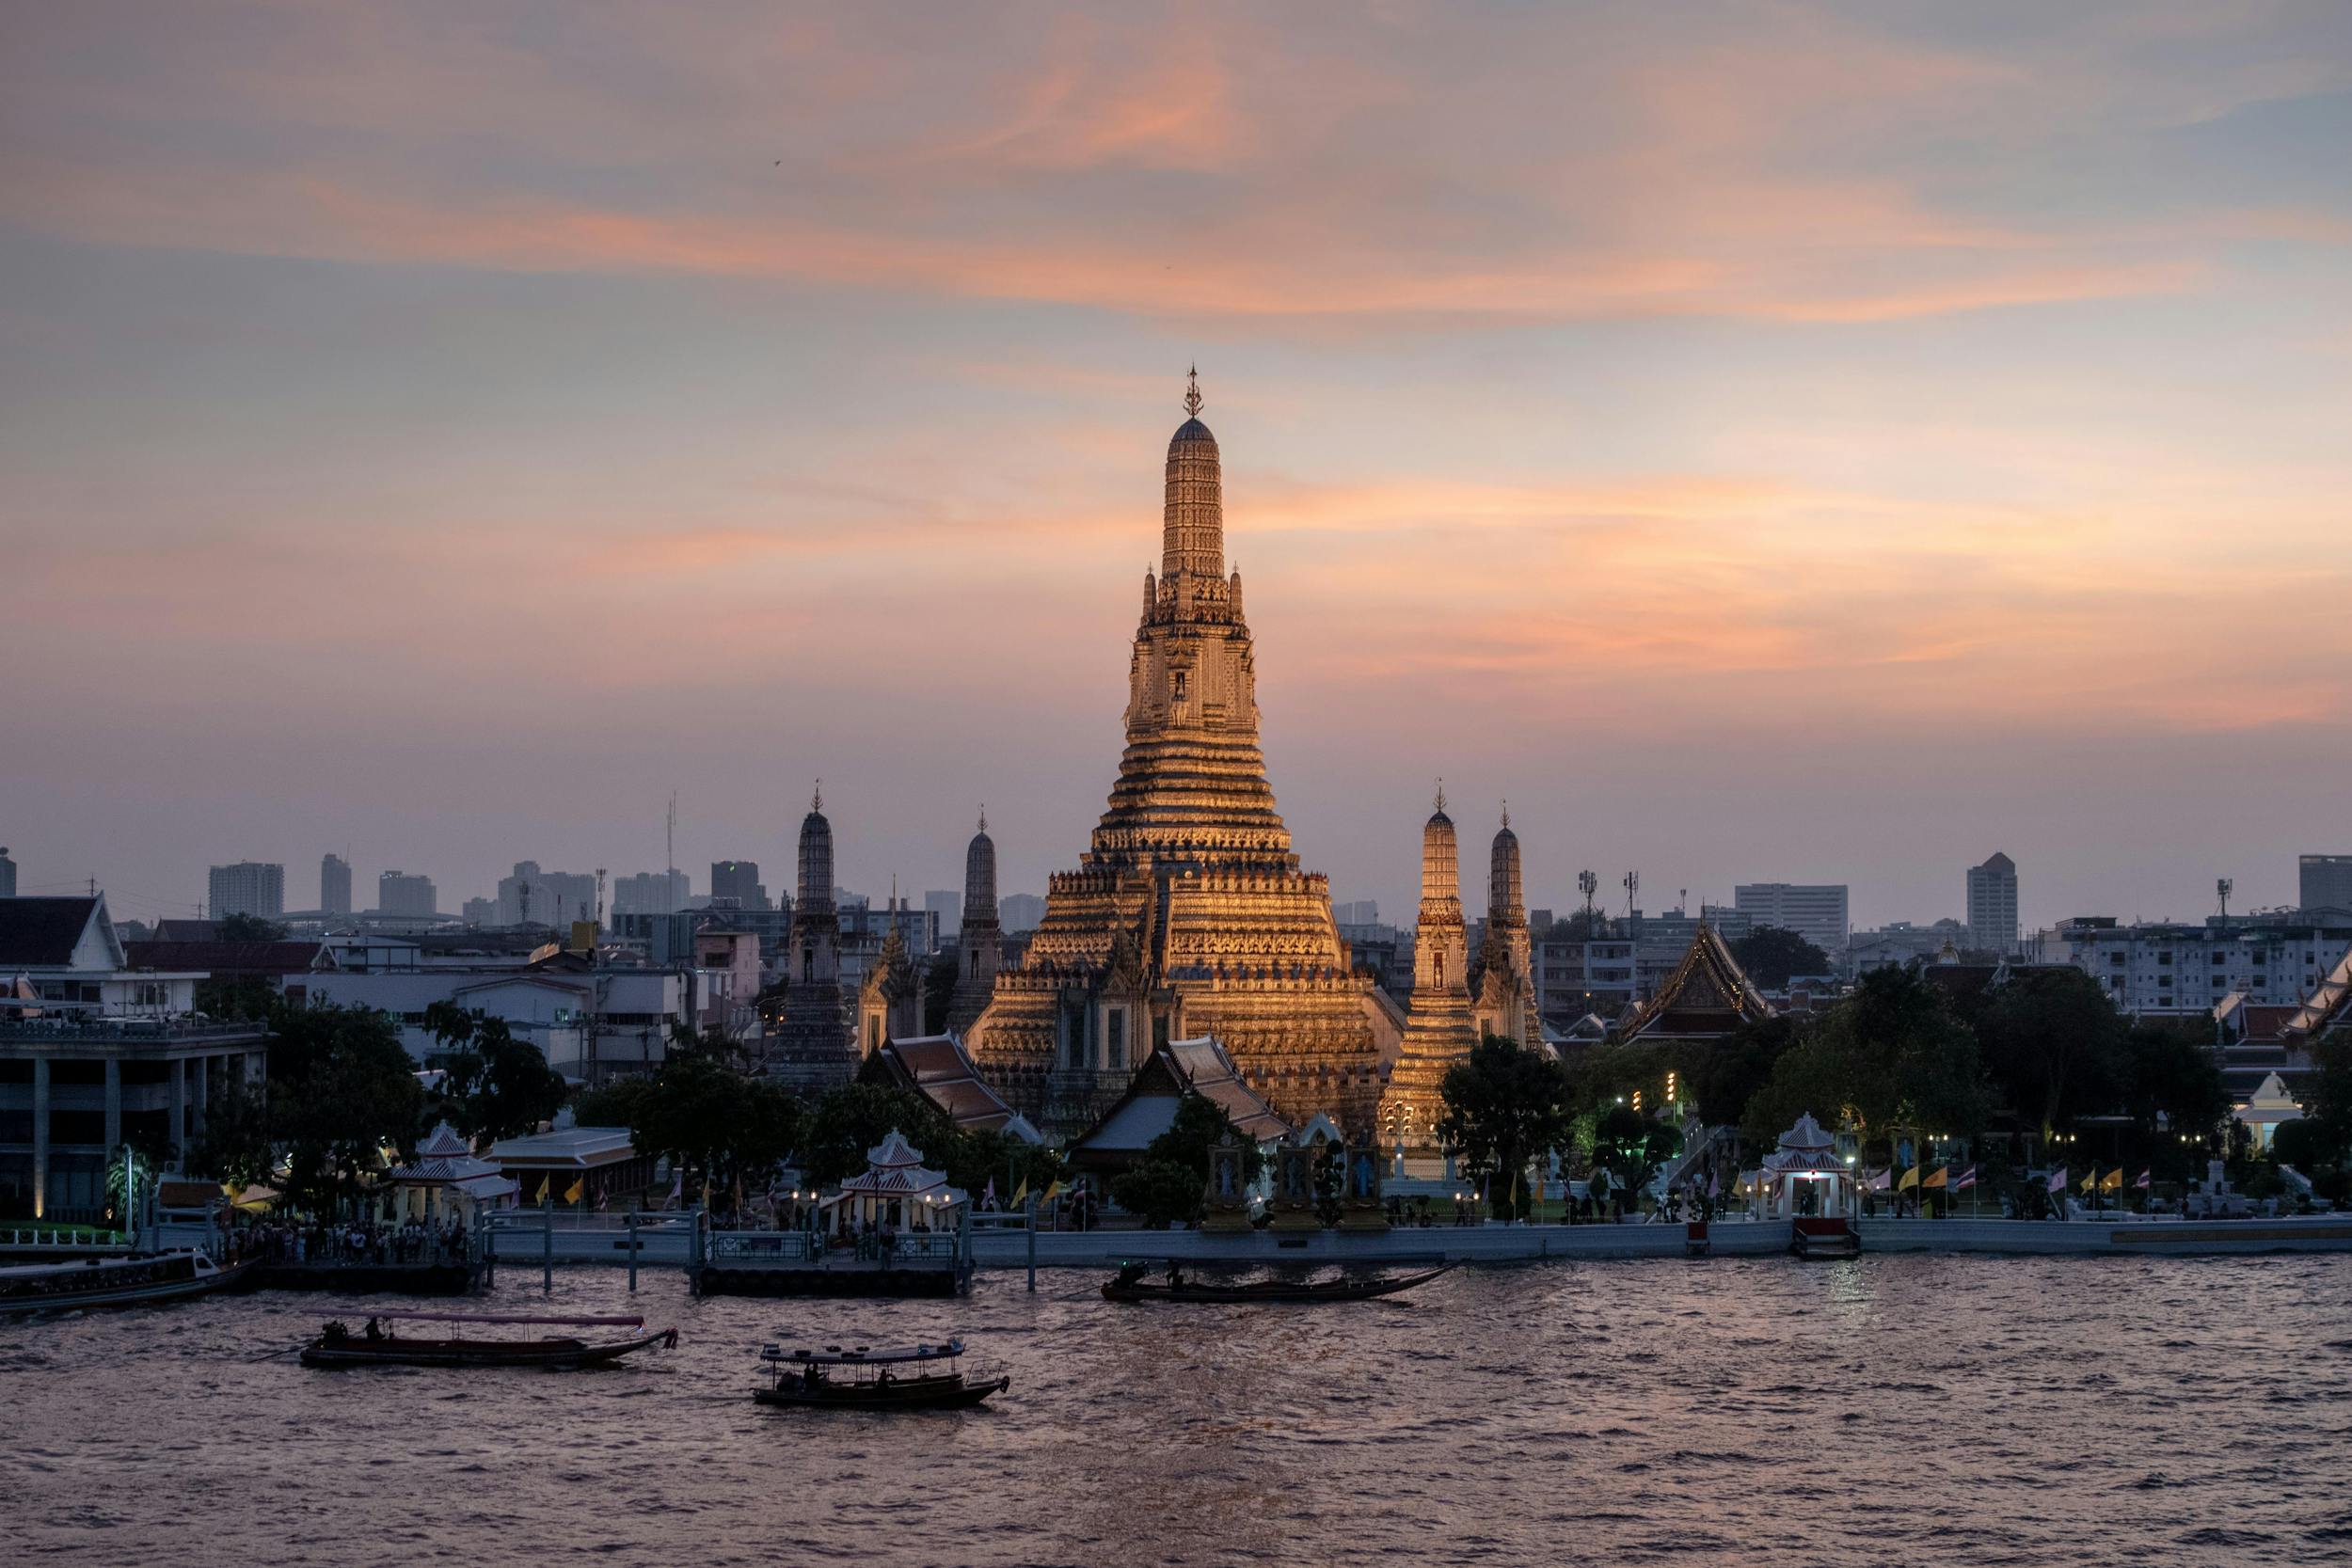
x=1805 y=1166
x=2266 y=1110
x=448 y=1181
x=897 y=1192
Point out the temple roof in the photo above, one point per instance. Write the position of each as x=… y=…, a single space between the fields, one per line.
x=1708 y=995
x=937 y=1067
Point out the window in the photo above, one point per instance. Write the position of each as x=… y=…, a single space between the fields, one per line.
x=1180 y=685
x=808 y=964
x=1116 y=1038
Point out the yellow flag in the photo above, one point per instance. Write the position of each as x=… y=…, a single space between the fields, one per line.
x=1021 y=1194
x=2113 y=1180
x=1943 y=1174
x=545 y=1182
x=1053 y=1192
x=571 y=1194
x=1910 y=1179
x=2090 y=1178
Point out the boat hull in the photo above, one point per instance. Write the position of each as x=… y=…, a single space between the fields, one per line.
x=1271 y=1293
x=153 y=1294
x=543 y=1355
x=953 y=1393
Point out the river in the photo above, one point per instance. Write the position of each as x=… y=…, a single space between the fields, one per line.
x=1908 y=1410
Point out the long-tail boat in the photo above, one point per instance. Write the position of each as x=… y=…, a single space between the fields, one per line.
x=926 y=1377
x=1131 y=1285
x=382 y=1344
x=135 y=1280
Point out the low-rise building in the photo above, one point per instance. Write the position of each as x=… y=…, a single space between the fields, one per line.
x=2182 y=970
x=95 y=1056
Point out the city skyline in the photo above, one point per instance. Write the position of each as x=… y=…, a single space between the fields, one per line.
x=1814 y=452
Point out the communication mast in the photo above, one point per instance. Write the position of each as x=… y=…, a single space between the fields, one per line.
x=1632 y=889
x=2225 y=887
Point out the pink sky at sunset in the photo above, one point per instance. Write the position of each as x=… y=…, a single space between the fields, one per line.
x=1765 y=442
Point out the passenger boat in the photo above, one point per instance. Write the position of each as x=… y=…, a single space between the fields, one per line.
x=383 y=1345
x=1131 y=1286
x=132 y=1280
x=927 y=1377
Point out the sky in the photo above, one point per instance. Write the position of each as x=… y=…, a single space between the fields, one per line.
x=1761 y=441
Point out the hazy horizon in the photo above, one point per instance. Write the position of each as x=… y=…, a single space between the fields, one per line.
x=1830 y=443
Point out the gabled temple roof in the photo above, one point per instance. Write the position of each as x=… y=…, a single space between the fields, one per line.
x=1148 y=1108
x=939 y=1069
x=1707 y=995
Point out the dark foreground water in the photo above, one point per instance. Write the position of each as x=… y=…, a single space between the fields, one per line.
x=1908 y=1411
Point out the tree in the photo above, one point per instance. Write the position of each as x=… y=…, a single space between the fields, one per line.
x=1771 y=956
x=2167 y=1074
x=2052 y=1045
x=237 y=1145
x=1504 y=1107
x=2328 y=1093
x=1723 y=1075
x=1891 y=1056
x=241 y=997
x=1172 y=1181
x=494 y=1086
x=342 y=1090
x=611 y=1104
x=247 y=928
x=2306 y=1143
x=1632 y=1145
x=725 y=1127
x=855 y=1117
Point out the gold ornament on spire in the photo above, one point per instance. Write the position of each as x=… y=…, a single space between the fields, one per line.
x=983 y=816
x=816 y=799
x=1506 y=810
x=1192 y=393
x=1441 y=793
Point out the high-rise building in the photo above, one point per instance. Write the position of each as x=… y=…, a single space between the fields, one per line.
x=945 y=908
x=737 y=881
x=398 y=892
x=536 y=897
x=479 y=911
x=1358 y=911
x=334 y=885
x=248 y=887
x=2325 y=881
x=1188 y=914
x=1019 y=912
x=1815 y=910
x=650 y=893
x=1992 y=905
x=7 y=874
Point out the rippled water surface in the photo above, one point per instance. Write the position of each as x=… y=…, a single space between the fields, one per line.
x=1909 y=1410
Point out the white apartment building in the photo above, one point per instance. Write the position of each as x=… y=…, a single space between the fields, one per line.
x=1815 y=910
x=2188 y=970
x=248 y=887
x=1992 y=905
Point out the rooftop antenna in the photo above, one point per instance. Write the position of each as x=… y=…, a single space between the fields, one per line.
x=1587 y=884
x=600 y=898
x=1632 y=888
x=668 y=844
x=2225 y=887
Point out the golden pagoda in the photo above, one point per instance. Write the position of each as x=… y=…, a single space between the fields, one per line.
x=1188 y=914
x=1439 y=1025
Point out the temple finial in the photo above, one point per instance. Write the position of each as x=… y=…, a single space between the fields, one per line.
x=1506 y=810
x=1192 y=393
x=1441 y=792
x=817 y=799
x=983 y=816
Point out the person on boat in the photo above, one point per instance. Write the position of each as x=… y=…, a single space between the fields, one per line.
x=374 y=1331
x=1130 y=1274
x=1175 y=1274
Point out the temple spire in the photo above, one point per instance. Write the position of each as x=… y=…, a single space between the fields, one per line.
x=1192 y=393
x=1192 y=535
x=816 y=798
x=1441 y=794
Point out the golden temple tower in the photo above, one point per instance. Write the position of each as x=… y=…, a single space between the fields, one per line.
x=1439 y=1029
x=1188 y=914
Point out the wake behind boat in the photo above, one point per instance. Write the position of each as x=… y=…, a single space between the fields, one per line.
x=1131 y=1285
x=382 y=1344
x=927 y=1377
x=131 y=1281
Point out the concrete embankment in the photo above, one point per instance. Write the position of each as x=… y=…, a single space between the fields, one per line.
x=1502 y=1244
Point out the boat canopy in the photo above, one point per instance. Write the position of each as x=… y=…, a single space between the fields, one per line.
x=834 y=1356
